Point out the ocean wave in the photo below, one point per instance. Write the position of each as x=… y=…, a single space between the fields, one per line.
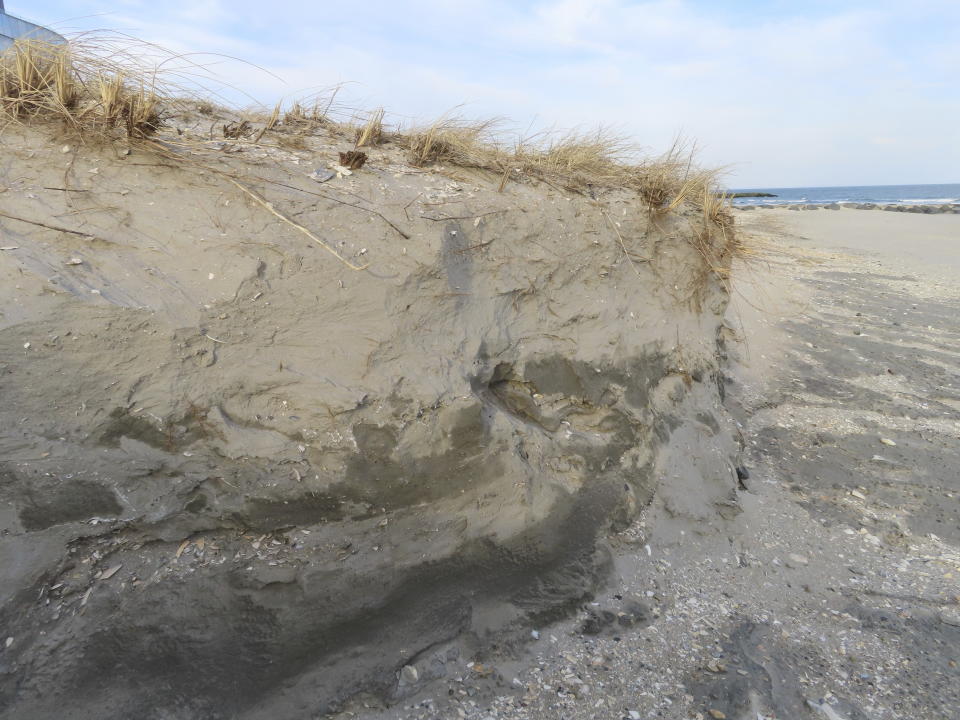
x=927 y=201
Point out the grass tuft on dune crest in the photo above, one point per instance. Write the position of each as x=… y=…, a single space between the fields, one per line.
x=40 y=82
x=113 y=86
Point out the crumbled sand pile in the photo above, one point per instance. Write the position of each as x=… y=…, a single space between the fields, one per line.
x=241 y=478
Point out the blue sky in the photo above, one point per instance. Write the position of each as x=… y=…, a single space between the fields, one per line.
x=782 y=93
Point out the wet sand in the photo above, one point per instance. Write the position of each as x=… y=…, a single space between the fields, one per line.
x=834 y=594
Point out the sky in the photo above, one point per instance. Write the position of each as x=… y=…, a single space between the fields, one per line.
x=781 y=93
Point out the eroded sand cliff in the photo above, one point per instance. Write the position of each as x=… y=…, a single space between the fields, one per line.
x=240 y=479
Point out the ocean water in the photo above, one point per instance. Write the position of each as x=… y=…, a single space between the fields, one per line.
x=886 y=194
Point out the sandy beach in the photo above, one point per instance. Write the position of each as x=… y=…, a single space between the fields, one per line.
x=929 y=244
x=160 y=486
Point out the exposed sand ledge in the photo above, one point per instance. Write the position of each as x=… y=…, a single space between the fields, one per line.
x=835 y=593
x=222 y=447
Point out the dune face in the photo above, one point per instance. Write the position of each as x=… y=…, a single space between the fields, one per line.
x=241 y=479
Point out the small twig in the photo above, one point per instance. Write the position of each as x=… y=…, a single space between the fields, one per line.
x=475 y=247
x=297 y=225
x=342 y=202
x=66 y=176
x=210 y=337
x=461 y=217
x=45 y=225
x=409 y=204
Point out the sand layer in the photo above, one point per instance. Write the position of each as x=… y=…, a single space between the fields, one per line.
x=240 y=479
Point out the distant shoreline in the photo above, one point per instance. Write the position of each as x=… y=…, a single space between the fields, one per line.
x=908 y=195
x=928 y=209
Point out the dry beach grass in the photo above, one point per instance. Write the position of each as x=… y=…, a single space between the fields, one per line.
x=108 y=87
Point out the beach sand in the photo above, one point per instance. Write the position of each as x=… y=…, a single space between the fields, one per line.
x=190 y=382
x=928 y=243
x=835 y=593
x=454 y=433
x=309 y=429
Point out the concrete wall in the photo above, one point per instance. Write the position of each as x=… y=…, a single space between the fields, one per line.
x=13 y=27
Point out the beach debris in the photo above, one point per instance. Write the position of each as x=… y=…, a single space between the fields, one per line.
x=75 y=261
x=234 y=130
x=183 y=546
x=109 y=572
x=353 y=159
x=340 y=170
x=887 y=441
x=65 y=149
x=10 y=247
x=825 y=709
x=26 y=346
x=409 y=674
x=321 y=175
x=266 y=205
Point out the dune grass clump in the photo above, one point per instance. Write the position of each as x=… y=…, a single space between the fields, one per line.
x=715 y=239
x=453 y=140
x=49 y=82
x=37 y=79
x=590 y=162
x=312 y=112
x=130 y=106
x=571 y=160
x=666 y=181
x=575 y=160
x=371 y=132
